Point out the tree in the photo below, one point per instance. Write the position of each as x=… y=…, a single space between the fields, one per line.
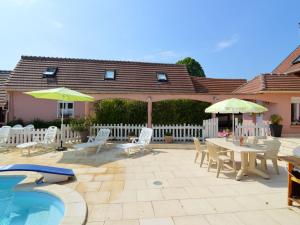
x=194 y=68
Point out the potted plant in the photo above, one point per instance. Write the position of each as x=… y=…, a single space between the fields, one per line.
x=168 y=137
x=275 y=126
x=82 y=126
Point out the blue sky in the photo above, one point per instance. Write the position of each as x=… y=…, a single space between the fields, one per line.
x=230 y=38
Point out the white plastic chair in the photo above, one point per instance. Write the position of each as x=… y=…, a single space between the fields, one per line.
x=17 y=126
x=139 y=143
x=4 y=136
x=29 y=127
x=95 y=142
x=49 y=138
x=271 y=154
x=216 y=155
x=200 y=150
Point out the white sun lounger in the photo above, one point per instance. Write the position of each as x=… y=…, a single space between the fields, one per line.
x=95 y=142
x=138 y=144
x=4 y=136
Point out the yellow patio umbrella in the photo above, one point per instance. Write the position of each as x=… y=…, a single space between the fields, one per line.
x=61 y=94
x=235 y=105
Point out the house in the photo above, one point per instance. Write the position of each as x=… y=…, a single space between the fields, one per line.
x=4 y=74
x=148 y=82
x=279 y=90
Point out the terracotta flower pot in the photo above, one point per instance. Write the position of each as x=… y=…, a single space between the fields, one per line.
x=84 y=136
x=168 y=139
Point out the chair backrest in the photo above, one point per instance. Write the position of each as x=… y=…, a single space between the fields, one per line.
x=102 y=135
x=17 y=126
x=213 y=150
x=252 y=140
x=197 y=144
x=29 y=127
x=4 y=134
x=145 y=136
x=273 y=147
x=50 y=135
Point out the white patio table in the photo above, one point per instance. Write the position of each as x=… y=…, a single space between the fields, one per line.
x=248 y=156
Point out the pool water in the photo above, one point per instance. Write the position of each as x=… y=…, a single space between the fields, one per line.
x=27 y=207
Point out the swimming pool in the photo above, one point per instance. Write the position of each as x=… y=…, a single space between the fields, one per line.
x=27 y=207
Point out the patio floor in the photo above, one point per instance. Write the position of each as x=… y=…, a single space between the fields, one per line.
x=165 y=187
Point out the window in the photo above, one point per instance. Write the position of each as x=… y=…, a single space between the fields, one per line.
x=68 y=109
x=295 y=111
x=297 y=60
x=110 y=75
x=162 y=77
x=50 y=72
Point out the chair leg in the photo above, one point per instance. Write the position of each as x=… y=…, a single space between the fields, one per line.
x=196 y=157
x=219 y=166
x=202 y=158
x=209 y=164
x=263 y=164
x=275 y=165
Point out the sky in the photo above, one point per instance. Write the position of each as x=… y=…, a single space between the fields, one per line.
x=230 y=38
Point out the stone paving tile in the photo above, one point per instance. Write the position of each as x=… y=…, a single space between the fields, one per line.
x=257 y=218
x=198 y=192
x=95 y=223
x=149 y=195
x=225 y=204
x=112 y=185
x=123 y=196
x=122 y=222
x=103 y=212
x=197 y=206
x=168 y=208
x=191 y=220
x=284 y=216
x=88 y=186
x=96 y=197
x=224 y=219
x=157 y=221
x=174 y=193
x=137 y=210
x=135 y=184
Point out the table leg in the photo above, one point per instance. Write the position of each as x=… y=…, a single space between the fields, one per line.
x=244 y=166
x=290 y=169
x=252 y=167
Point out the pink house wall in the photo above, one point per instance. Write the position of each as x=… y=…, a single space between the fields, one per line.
x=27 y=108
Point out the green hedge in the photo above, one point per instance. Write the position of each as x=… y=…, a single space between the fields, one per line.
x=164 y=112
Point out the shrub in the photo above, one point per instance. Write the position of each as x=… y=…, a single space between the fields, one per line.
x=14 y=122
x=81 y=124
x=276 y=119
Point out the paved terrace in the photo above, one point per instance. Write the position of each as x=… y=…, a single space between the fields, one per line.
x=165 y=187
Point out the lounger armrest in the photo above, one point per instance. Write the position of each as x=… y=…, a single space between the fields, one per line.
x=135 y=140
x=91 y=138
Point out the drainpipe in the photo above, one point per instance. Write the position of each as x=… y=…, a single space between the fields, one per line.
x=149 y=123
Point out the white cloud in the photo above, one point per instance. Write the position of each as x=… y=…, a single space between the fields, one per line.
x=23 y=2
x=57 y=24
x=221 y=45
x=162 y=55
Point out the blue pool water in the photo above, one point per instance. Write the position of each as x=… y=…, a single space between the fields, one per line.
x=27 y=207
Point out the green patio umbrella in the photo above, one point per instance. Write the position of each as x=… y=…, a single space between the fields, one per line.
x=234 y=105
x=61 y=94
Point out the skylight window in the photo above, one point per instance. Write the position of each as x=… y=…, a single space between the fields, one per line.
x=110 y=75
x=162 y=77
x=50 y=72
x=297 y=60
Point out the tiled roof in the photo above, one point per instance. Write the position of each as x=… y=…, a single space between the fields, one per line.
x=286 y=66
x=88 y=76
x=271 y=82
x=216 y=86
x=4 y=74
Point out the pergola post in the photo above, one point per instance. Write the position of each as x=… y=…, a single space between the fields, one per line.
x=149 y=117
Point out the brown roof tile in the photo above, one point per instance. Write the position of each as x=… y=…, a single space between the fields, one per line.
x=4 y=74
x=271 y=82
x=286 y=66
x=216 y=86
x=88 y=76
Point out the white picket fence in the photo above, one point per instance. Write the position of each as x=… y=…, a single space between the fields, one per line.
x=19 y=136
x=121 y=132
x=183 y=132
x=260 y=130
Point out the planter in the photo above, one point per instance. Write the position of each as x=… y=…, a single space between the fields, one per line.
x=84 y=136
x=276 y=130
x=168 y=139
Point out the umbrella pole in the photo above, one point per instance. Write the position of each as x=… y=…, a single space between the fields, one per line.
x=232 y=125
x=62 y=124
